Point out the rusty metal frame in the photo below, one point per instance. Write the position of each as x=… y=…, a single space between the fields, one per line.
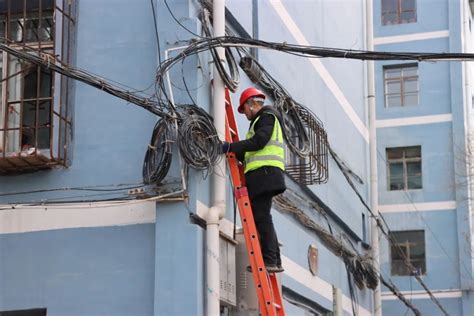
x=19 y=160
x=312 y=169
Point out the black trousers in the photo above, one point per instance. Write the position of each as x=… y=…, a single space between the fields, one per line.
x=261 y=207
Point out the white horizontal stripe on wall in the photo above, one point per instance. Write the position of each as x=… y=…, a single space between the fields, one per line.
x=421 y=207
x=410 y=37
x=28 y=219
x=419 y=295
x=415 y=120
x=316 y=284
x=320 y=69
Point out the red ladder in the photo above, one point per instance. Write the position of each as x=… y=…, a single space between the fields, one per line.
x=266 y=284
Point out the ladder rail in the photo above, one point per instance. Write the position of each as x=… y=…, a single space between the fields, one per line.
x=266 y=284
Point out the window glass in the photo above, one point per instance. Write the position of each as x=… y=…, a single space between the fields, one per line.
x=408 y=249
x=398 y=11
x=410 y=99
x=410 y=86
x=396 y=169
x=408 y=5
x=395 y=153
x=411 y=152
x=15 y=68
x=393 y=87
x=32 y=28
x=404 y=168
x=392 y=73
x=414 y=168
x=393 y=101
x=407 y=17
x=401 y=86
x=414 y=182
x=410 y=71
x=389 y=5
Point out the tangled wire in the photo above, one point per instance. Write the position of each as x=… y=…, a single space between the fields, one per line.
x=361 y=267
x=198 y=142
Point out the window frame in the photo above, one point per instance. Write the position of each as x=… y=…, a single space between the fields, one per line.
x=419 y=264
x=401 y=80
x=44 y=142
x=404 y=161
x=398 y=13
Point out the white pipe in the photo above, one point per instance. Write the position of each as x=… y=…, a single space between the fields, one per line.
x=373 y=155
x=217 y=209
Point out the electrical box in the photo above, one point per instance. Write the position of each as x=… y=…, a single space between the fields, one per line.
x=227 y=271
x=247 y=302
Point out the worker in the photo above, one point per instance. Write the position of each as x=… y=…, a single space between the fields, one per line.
x=263 y=155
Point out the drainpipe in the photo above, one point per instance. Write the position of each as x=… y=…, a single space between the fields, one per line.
x=216 y=211
x=373 y=154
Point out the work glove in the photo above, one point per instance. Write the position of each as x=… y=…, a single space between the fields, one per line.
x=225 y=147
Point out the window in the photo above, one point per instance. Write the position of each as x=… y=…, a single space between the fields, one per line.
x=409 y=246
x=398 y=11
x=25 y=312
x=404 y=168
x=35 y=102
x=401 y=85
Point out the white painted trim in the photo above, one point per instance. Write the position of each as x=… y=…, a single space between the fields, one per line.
x=421 y=295
x=410 y=37
x=415 y=207
x=316 y=284
x=415 y=120
x=320 y=69
x=22 y=220
x=201 y=209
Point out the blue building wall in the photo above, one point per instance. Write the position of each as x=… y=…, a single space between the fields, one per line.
x=441 y=207
x=88 y=271
x=158 y=269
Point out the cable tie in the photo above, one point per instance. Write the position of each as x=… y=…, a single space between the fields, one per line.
x=102 y=84
x=152 y=147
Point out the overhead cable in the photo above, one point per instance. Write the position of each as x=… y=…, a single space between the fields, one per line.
x=389 y=237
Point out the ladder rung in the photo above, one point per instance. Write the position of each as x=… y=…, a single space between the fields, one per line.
x=266 y=284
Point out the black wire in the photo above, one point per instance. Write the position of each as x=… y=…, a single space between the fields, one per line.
x=50 y=61
x=294 y=132
x=159 y=153
x=389 y=237
x=198 y=142
x=180 y=24
x=231 y=79
x=156 y=30
x=83 y=188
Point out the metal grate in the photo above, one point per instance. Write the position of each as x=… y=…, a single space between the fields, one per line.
x=312 y=169
x=35 y=110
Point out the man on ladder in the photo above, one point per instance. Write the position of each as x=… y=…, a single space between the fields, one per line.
x=263 y=154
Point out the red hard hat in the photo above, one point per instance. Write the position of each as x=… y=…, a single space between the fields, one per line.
x=247 y=94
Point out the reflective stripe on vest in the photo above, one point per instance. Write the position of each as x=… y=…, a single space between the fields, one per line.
x=272 y=155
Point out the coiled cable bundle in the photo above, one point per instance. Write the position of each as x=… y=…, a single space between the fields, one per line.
x=294 y=132
x=198 y=142
x=159 y=153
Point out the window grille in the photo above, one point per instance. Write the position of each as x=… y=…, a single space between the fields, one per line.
x=35 y=107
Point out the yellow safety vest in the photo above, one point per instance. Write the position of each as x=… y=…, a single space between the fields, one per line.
x=273 y=154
